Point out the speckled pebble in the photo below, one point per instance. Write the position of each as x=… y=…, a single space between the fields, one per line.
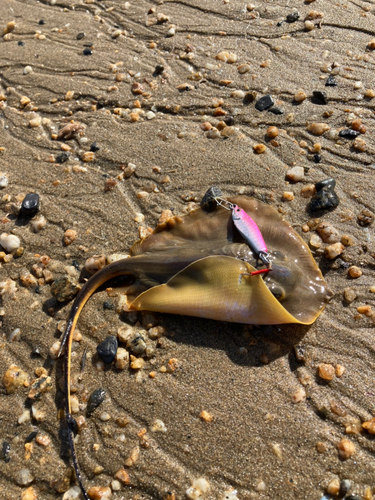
x=3 y=181
x=354 y=272
x=326 y=371
x=99 y=492
x=72 y=494
x=65 y=288
x=14 y=378
x=24 y=477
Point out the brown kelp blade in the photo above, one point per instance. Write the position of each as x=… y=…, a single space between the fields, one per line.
x=221 y=288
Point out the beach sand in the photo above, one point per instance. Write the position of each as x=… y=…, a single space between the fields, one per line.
x=276 y=424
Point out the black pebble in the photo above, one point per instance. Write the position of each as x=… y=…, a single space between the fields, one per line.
x=280 y=23
x=96 y=399
x=293 y=17
x=80 y=35
x=41 y=21
x=325 y=198
x=228 y=120
x=87 y=52
x=30 y=205
x=94 y=148
x=320 y=97
x=62 y=157
x=21 y=43
x=210 y=195
x=331 y=82
x=326 y=184
x=4 y=451
x=276 y=111
x=75 y=263
x=108 y=305
x=317 y=158
x=159 y=68
x=31 y=436
x=264 y=103
x=107 y=349
x=348 y=133
x=345 y=486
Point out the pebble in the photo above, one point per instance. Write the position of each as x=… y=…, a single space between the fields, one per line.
x=99 y=492
x=295 y=174
x=95 y=399
x=71 y=130
x=369 y=426
x=276 y=111
x=288 y=196
x=331 y=81
x=333 y=251
x=359 y=144
x=259 y=149
x=300 y=96
x=272 y=132
x=365 y=217
x=122 y=358
x=350 y=294
x=24 y=477
x=345 y=486
x=317 y=158
x=122 y=476
x=326 y=197
x=30 y=205
x=87 y=52
x=264 y=103
x=62 y=157
x=309 y=25
x=238 y=94
x=107 y=349
x=65 y=288
x=69 y=236
x=3 y=181
x=315 y=241
x=95 y=263
x=39 y=387
x=243 y=68
x=80 y=35
x=29 y=494
x=326 y=371
x=227 y=57
x=136 y=344
x=293 y=17
x=72 y=494
x=320 y=97
x=354 y=272
x=346 y=449
x=333 y=487
x=13 y=378
x=27 y=70
x=299 y=395
x=4 y=451
x=317 y=128
x=9 y=242
x=328 y=233
x=348 y=133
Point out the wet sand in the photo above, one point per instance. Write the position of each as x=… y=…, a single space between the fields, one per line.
x=259 y=442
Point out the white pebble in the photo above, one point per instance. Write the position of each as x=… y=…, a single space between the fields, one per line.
x=105 y=416
x=9 y=242
x=358 y=85
x=295 y=174
x=229 y=495
x=201 y=484
x=192 y=493
x=116 y=485
x=150 y=115
x=24 y=477
x=25 y=417
x=3 y=181
x=158 y=426
x=27 y=70
x=38 y=224
x=171 y=32
x=238 y=94
x=72 y=493
x=15 y=335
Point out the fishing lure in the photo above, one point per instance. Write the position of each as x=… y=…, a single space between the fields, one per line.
x=249 y=230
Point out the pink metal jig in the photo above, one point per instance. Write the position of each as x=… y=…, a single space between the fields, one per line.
x=249 y=230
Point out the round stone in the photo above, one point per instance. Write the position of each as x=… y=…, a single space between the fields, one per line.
x=107 y=349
